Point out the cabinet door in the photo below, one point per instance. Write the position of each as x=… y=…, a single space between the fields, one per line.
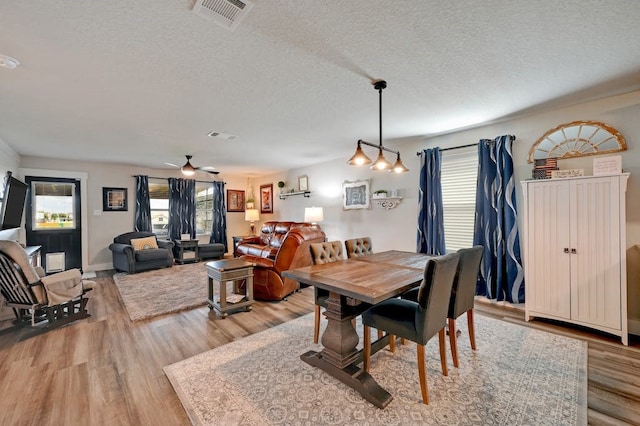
x=548 y=267
x=595 y=266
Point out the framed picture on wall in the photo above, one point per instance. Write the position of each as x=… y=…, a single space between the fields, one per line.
x=266 y=198
x=303 y=183
x=235 y=200
x=355 y=195
x=114 y=199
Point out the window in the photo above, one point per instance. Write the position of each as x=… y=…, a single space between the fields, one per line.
x=53 y=205
x=159 y=201
x=204 y=207
x=459 y=177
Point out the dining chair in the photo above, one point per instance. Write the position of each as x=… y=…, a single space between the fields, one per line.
x=419 y=320
x=356 y=247
x=462 y=296
x=326 y=252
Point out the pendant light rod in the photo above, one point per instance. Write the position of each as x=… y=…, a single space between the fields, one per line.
x=384 y=148
x=379 y=85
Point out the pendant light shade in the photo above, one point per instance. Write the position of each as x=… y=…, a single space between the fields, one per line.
x=381 y=163
x=399 y=167
x=359 y=158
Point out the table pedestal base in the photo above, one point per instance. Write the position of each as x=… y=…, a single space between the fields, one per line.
x=352 y=376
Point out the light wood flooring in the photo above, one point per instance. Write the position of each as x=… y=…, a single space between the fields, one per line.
x=106 y=370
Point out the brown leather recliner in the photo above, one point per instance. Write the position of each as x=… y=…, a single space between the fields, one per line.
x=269 y=241
x=268 y=282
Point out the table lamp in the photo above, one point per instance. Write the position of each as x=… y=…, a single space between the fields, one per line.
x=313 y=215
x=252 y=215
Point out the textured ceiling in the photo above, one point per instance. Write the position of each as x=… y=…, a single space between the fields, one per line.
x=144 y=82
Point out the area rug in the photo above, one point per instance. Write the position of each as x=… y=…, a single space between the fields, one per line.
x=162 y=291
x=517 y=376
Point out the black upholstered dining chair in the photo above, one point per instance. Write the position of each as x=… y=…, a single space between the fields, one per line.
x=419 y=320
x=462 y=296
x=356 y=247
x=326 y=252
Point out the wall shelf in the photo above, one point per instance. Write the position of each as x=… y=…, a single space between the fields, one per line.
x=387 y=202
x=289 y=194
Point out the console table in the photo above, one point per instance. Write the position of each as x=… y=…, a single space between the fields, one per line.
x=234 y=270
x=186 y=251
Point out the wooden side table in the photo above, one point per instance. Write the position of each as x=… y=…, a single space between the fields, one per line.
x=234 y=270
x=186 y=251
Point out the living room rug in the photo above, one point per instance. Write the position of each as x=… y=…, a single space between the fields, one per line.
x=517 y=376
x=162 y=291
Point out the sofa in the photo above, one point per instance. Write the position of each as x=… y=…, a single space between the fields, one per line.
x=292 y=252
x=128 y=259
x=270 y=239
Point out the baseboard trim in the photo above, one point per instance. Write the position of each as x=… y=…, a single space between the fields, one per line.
x=99 y=267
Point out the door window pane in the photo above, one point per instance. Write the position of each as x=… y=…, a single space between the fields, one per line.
x=53 y=205
x=159 y=202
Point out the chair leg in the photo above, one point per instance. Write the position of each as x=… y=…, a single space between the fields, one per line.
x=443 y=352
x=423 y=375
x=392 y=342
x=403 y=341
x=453 y=342
x=379 y=334
x=366 y=349
x=472 y=333
x=316 y=324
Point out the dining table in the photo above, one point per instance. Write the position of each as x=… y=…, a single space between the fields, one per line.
x=354 y=285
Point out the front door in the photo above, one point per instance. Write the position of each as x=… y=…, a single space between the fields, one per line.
x=52 y=220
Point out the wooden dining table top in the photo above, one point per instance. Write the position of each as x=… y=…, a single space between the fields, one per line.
x=370 y=279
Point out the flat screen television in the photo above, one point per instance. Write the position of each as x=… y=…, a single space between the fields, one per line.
x=15 y=194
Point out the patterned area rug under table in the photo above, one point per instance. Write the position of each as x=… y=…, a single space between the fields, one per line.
x=518 y=376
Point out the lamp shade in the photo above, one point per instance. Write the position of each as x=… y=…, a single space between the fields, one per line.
x=251 y=215
x=313 y=214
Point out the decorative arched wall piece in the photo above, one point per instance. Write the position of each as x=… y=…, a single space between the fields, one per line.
x=577 y=139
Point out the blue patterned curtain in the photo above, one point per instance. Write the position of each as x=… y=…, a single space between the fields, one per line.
x=496 y=222
x=143 y=205
x=182 y=208
x=219 y=216
x=430 y=222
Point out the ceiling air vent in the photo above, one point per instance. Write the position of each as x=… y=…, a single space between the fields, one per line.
x=226 y=13
x=221 y=135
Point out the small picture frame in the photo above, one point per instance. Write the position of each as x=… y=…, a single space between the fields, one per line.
x=356 y=195
x=114 y=199
x=303 y=183
x=235 y=200
x=266 y=198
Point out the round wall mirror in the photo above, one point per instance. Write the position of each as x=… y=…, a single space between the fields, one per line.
x=577 y=139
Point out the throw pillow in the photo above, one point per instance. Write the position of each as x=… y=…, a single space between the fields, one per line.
x=144 y=243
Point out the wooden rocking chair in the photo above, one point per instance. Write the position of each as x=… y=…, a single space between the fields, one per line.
x=38 y=301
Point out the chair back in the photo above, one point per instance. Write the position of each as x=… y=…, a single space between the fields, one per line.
x=357 y=247
x=326 y=252
x=464 y=284
x=16 y=275
x=434 y=295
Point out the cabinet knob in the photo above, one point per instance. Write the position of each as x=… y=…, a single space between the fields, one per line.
x=573 y=251
x=566 y=250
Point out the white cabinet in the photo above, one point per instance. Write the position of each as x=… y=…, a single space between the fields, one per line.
x=575 y=251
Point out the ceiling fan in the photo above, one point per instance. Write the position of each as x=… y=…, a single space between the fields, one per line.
x=189 y=170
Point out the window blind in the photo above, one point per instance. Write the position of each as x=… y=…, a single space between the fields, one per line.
x=459 y=170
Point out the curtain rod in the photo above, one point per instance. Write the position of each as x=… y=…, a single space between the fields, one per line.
x=452 y=148
x=201 y=181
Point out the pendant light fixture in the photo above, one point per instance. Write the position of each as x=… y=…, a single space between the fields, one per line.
x=381 y=163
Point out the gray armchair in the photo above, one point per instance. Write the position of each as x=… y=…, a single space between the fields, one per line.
x=126 y=259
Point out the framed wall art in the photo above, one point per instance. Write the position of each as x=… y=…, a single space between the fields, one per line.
x=303 y=183
x=356 y=195
x=266 y=198
x=114 y=199
x=235 y=200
